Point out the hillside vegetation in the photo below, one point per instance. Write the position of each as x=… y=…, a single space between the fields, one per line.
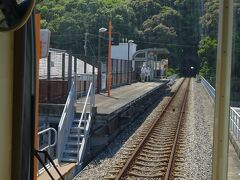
x=173 y=24
x=188 y=28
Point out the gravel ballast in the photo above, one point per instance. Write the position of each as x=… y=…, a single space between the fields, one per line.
x=100 y=166
x=199 y=133
x=198 y=151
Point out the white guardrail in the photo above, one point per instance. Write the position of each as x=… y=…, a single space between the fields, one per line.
x=234 y=111
x=86 y=121
x=209 y=89
x=47 y=132
x=66 y=120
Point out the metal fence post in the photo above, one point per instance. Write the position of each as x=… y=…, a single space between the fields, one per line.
x=85 y=71
x=69 y=71
x=48 y=76
x=75 y=64
x=126 y=71
x=120 y=72
x=117 y=72
x=75 y=74
x=93 y=81
x=111 y=72
x=131 y=72
x=63 y=66
x=49 y=66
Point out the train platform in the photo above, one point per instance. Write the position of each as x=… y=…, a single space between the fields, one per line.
x=114 y=113
x=66 y=169
x=121 y=97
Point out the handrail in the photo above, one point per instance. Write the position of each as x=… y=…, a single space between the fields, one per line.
x=235 y=123
x=234 y=115
x=49 y=137
x=49 y=145
x=70 y=96
x=86 y=127
x=85 y=104
x=66 y=119
x=208 y=87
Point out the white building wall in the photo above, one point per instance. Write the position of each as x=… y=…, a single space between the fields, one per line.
x=121 y=51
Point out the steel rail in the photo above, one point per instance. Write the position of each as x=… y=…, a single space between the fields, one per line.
x=129 y=162
x=180 y=120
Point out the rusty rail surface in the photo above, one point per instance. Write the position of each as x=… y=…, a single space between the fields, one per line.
x=171 y=160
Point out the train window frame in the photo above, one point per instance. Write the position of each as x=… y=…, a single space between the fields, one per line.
x=222 y=102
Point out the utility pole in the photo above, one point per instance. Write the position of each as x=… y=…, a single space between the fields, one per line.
x=93 y=81
x=85 y=63
x=85 y=43
x=109 y=56
x=99 y=64
x=128 y=69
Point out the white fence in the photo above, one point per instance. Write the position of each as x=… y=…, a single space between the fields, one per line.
x=235 y=122
x=234 y=111
x=209 y=89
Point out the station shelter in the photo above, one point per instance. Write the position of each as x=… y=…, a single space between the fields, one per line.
x=153 y=59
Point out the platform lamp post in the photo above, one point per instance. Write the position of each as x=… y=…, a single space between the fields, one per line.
x=99 y=77
x=129 y=79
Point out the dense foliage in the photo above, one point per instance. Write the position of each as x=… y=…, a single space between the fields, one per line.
x=151 y=23
x=207 y=53
x=69 y=20
x=208 y=46
x=207 y=50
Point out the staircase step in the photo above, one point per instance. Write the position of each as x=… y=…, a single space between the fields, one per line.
x=69 y=160
x=75 y=125
x=68 y=151
x=75 y=135
x=78 y=115
x=73 y=143
x=76 y=129
x=78 y=120
x=70 y=154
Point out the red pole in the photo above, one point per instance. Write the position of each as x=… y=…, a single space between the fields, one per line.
x=38 y=50
x=109 y=56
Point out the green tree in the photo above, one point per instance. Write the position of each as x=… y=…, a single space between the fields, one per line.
x=171 y=24
x=69 y=20
x=208 y=50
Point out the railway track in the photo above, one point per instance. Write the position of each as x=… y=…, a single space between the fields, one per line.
x=156 y=153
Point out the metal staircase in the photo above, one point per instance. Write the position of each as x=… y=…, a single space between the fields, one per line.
x=77 y=139
x=70 y=152
x=73 y=132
